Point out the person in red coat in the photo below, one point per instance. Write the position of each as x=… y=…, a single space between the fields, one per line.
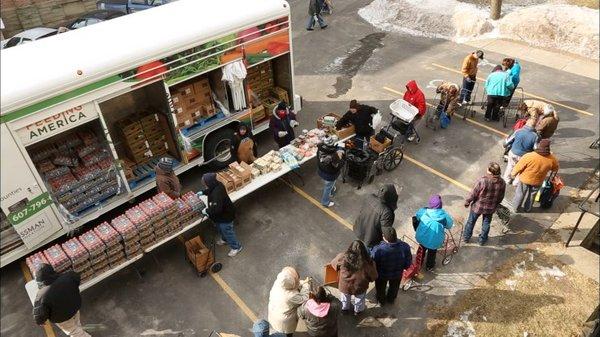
x=415 y=96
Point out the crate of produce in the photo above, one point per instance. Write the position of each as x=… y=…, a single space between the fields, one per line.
x=226 y=180
x=281 y=94
x=75 y=251
x=149 y=120
x=57 y=258
x=34 y=262
x=126 y=229
x=129 y=126
x=108 y=235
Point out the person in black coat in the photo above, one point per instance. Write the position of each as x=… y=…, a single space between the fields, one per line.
x=329 y=165
x=282 y=124
x=221 y=211
x=361 y=116
x=376 y=213
x=244 y=145
x=58 y=300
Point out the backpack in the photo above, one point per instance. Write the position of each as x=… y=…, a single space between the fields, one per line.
x=444 y=120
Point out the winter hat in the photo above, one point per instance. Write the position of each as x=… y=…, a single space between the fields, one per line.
x=210 y=180
x=435 y=201
x=543 y=147
x=479 y=54
x=354 y=104
x=260 y=328
x=281 y=106
x=548 y=109
x=45 y=275
x=166 y=164
x=329 y=141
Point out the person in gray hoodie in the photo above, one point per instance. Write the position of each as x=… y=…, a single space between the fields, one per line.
x=377 y=212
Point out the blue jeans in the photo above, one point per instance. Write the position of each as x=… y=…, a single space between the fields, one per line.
x=485 y=226
x=327 y=192
x=225 y=229
x=467 y=89
x=311 y=21
x=359 y=302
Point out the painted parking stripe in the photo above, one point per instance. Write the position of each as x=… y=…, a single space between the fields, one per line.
x=472 y=121
x=48 y=330
x=525 y=93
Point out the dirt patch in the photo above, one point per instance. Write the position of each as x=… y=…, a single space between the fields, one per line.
x=531 y=294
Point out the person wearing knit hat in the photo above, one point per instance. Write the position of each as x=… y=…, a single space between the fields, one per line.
x=329 y=166
x=430 y=224
x=532 y=169
x=361 y=117
x=221 y=211
x=282 y=124
x=548 y=122
x=166 y=180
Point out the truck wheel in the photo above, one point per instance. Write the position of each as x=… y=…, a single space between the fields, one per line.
x=218 y=148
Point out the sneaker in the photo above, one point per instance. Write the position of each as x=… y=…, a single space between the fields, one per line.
x=482 y=243
x=411 y=138
x=331 y=204
x=324 y=27
x=234 y=252
x=221 y=242
x=505 y=157
x=465 y=102
x=309 y=29
x=466 y=240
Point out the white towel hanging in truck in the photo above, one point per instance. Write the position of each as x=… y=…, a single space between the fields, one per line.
x=235 y=73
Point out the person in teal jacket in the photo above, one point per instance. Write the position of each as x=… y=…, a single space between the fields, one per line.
x=513 y=68
x=498 y=87
x=430 y=225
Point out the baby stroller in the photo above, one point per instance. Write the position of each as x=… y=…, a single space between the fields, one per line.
x=403 y=119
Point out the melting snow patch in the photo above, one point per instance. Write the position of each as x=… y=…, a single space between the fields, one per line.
x=152 y=332
x=461 y=328
x=546 y=272
x=518 y=270
x=512 y=284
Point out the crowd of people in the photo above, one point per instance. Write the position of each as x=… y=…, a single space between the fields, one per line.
x=377 y=255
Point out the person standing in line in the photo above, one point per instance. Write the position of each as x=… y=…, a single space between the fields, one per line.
x=485 y=197
x=498 y=87
x=469 y=73
x=449 y=93
x=282 y=124
x=513 y=67
x=416 y=98
x=520 y=142
x=376 y=213
x=548 y=122
x=328 y=167
x=532 y=170
x=321 y=313
x=356 y=270
x=314 y=10
x=221 y=211
x=58 y=300
x=287 y=294
x=391 y=257
x=166 y=180
x=361 y=116
x=430 y=228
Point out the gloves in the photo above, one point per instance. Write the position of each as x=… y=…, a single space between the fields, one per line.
x=199 y=193
x=282 y=134
x=294 y=123
x=205 y=212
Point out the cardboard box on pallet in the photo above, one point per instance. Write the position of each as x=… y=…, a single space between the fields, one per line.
x=281 y=94
x=129 y=126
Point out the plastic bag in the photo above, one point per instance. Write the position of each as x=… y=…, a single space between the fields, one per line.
x=377 y=119
x=444 y=120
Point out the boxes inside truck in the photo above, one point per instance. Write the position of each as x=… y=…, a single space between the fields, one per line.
x=77 y=168
x=268 y=84
x=140 y=129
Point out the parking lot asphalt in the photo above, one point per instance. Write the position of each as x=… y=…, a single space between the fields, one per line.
x=280 y=224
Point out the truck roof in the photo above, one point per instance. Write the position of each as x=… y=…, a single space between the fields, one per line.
x=40 y=70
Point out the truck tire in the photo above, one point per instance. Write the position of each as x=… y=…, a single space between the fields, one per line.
x=217 y=147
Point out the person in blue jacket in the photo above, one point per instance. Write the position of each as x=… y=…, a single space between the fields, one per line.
x=430 y=225
x=513 y=68
x=498 y=86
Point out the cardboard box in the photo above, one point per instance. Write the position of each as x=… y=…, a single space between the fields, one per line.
x=243 y=172
x=377 y=146
x=198 y=254
x=345 y=132
x=258 y=113
x=201 y=86
x=128 y=126
x=281 y=93
x=237 y=180
x=226 y=180
x=269 y=103
x=148 y=120
x=186 y=90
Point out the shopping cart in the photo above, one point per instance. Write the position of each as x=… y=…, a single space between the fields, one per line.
x=451 y=245
x=508 y=110
x=503 y=212
x=468 y=108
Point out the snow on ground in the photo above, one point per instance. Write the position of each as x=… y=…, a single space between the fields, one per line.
x=554 y=25
x=546 y=272
x=462 y=327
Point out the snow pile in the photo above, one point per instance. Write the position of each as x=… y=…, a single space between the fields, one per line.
x=546 y=272
x=564 y=27
x=461 y=328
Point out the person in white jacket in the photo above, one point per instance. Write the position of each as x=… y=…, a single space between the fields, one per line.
x=287 y=294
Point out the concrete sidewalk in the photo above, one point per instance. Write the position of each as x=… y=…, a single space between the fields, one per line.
x=554 y=59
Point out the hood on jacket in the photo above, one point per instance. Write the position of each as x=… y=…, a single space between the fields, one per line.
x=436 y=214
x=388 y=196
x=45 y=275
x=210 y=180
x=288 y=278
x=412 y=86
x=318 y=309
x=280 y=106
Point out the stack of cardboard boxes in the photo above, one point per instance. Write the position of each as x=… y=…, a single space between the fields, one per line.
x=236 y=177
x=260 y=79
x=143 y=137
x=192 y=102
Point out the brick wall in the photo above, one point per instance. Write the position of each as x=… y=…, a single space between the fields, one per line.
x=19 y=15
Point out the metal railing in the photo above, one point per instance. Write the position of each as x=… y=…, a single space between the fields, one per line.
x=584 y=207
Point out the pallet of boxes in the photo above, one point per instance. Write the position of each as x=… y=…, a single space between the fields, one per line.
x=192 y=103
x=260 y=81
x=237 y=176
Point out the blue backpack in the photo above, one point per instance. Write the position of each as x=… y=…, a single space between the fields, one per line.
x=444 y=120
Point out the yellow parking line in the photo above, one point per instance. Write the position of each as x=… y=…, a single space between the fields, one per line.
x=437 y=173
x=232 y=294
x=525 y=93
x=503 y=134
x=315 y=202
x=27 y=275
